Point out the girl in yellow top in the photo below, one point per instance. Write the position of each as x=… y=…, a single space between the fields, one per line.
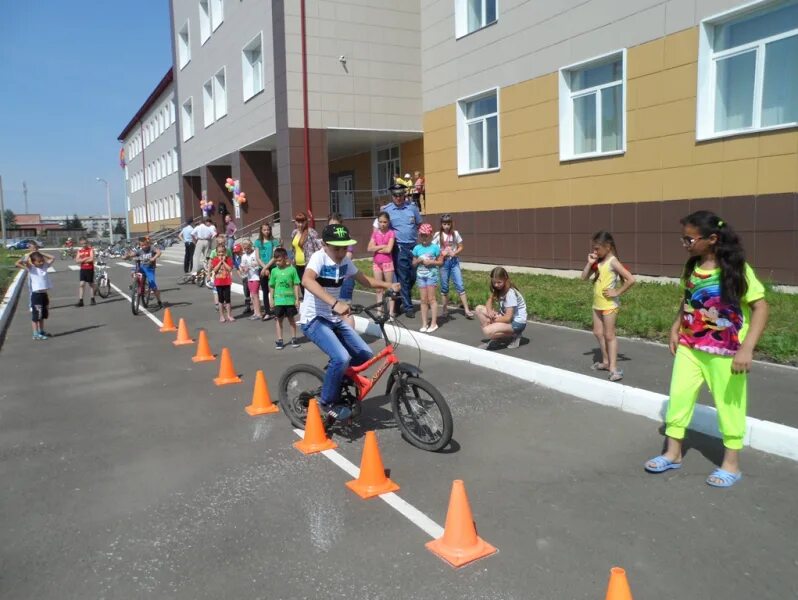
x=304 y=241
x=607 y=272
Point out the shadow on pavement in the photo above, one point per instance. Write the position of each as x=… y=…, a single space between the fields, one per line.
x=78 y=330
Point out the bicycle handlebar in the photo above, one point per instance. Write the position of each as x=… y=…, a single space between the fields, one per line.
x=380 y=320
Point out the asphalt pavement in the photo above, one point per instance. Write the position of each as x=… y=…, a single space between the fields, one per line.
x=128 y=474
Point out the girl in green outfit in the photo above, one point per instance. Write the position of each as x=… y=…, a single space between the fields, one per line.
x=264 y=250
x=713 y=339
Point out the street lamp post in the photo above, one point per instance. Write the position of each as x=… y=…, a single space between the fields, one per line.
x=108 y=206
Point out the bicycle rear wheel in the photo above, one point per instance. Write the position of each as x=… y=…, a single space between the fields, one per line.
x=200 y=280
x=104 y=286
x=297 y=386
x=421 y=413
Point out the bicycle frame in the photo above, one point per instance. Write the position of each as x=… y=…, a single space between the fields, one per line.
x=366 y=384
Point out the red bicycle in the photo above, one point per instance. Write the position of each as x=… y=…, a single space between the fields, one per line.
x=420 y=411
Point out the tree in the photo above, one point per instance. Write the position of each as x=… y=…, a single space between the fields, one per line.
x=11 y=219
x=73 y=223
x=120 y=227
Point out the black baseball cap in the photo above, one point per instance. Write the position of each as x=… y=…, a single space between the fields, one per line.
x=397 y=189
x=337 y=235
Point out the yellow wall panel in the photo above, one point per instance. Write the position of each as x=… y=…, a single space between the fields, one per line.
x=740 y=147
x=665 y=86
x=778 y=142
x=739 y=177
x=681 y=48
x=645 y=59
x=439 y=118
x=665 y=119
x=677 y=150
x=777 y=174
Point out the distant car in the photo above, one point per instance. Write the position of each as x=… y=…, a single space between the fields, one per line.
x=23 y=244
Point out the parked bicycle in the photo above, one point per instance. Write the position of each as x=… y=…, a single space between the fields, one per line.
x=420 y=410
x=102 y=279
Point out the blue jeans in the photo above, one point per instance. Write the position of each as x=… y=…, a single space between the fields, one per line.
x=343 y=345
x=405 y=271
x=451 y=268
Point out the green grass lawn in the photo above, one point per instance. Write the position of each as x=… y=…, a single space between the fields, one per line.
x=648 y=309
x=7 y=269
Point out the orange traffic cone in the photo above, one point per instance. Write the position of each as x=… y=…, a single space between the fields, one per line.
x=261 y=401
x=372 y=480
x=182 y=334
x=315 y=439
x=204 y=353
x=618 y=588
x=460 y=543
x=227 y=372
x=168 y=324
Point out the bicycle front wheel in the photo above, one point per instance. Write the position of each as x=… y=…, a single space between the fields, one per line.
x=135 y=301
x=104 y=286
x=421 y=414
x=145 y=296
x=298 y=385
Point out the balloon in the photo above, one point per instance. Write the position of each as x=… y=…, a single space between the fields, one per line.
x=229 y=181
x=242 y=197
x=202 y=203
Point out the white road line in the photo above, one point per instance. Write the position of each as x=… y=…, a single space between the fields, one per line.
x=124 y=264
x=147 y=313
x=74 y=267
x=171 y=262
x=407 y=510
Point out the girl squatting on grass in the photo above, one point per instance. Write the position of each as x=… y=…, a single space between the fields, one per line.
x=607 y=272
x=509 y=321
x=713 y=339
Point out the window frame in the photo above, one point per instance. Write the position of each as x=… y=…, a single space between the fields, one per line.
x=461 y=17
x=204 y=9
x=181 y=54
x=707 y=71
x=217 y=115
x=208 y=100
x=566 y=101
x=246 y=68
x=187 y=132
x=463 y=162
x=216 y=13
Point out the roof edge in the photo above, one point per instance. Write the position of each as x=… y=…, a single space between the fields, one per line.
x=148 y=103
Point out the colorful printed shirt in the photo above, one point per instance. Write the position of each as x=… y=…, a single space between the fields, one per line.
x=223 y=276
x=331 y=276
x=708 y=323
x=283 y=280
x=431 y=252
x=85 y=253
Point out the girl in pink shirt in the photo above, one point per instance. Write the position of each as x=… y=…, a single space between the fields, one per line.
x=381 y=244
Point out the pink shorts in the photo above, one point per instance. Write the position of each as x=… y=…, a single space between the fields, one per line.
x=254 y=287
x=383 y=268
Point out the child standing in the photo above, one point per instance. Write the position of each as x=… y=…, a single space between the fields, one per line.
x=249 y=268
x=85 y=258
x=285 y=295
x=713 y=339
x=36 y=264
x=427 y=258
x=222 y=271
x=451 y=244
x=607 y=270
x=510 y=320
x=381 y=244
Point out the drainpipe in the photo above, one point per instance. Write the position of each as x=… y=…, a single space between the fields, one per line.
x=144 y=177
x=305 y=132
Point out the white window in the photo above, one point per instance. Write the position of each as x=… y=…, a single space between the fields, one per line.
x=217 y=13
x=183 y=46
x=478 y=133
x=207 y=103
x=204 y=21
x=178 y=208
x=252 y=67
x=748 y=71
x=470 y=15
x=220 y=93
x=187 y=119
x=388 y=162
x=172 y=111
x=593 y=107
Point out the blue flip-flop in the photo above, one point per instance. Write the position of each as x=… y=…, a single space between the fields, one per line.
x=727 y=478
x=661 y=464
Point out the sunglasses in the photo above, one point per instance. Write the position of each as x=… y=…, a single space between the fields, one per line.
x=687 y=241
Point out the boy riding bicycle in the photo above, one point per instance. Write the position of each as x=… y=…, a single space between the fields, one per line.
x=148 y=254
x=321 y=312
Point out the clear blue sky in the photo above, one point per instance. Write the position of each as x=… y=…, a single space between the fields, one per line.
x=74 y=74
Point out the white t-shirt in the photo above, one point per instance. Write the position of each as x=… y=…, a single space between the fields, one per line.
x=448 y=243
x=249 y=264
x=203 y=232
x=38 y=279
x=513 y=299
x=331 y=277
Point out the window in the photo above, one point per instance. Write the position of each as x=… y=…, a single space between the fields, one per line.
x=252 y=67
x=220 y=93
x=178 y=208
x=388 y=165
x=207 y=103
x=478 y=133
x=183 y=46
x=204 y=21
x=172 y=111
x=471 y=15
x=187 y=119
x=747 y=70
x=217 y=13
x=174 y=160
x=593 y=107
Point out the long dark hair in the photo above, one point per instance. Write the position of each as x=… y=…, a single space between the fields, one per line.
x=604 y=238
x=260 y=232
x=447 y=218
x=500 y=273
x=729 y=254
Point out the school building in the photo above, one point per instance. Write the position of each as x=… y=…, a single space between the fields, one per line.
x=535 y=123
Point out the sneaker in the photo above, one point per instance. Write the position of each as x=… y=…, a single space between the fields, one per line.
x=255 y=318
x=515 y=342
x=423 y=329
x=79 y=304
x=432 y=328
x=45 y=334
x=216 y=307
x=294 y=343
x=278 y=345
x=338 y=412
x=487 y=345
x=39 y=336
x=410 y=314
x=93 y=302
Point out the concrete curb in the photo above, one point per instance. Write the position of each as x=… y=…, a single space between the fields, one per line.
x=8 y=304
x=765 y=436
